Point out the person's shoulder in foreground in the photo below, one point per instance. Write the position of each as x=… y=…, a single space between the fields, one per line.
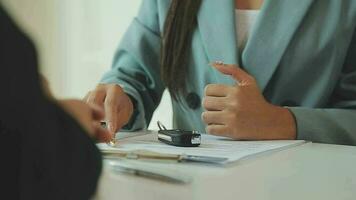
x=45 y=153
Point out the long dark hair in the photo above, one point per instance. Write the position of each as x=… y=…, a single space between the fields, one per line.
x=176 y=40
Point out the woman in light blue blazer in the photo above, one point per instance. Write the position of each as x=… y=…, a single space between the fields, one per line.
x=294 y=77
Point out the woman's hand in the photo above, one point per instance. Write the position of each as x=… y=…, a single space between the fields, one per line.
x=116 y=103
x=241 y=112
x=88 y=116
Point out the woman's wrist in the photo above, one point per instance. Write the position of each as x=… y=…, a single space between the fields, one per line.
x=285 y=125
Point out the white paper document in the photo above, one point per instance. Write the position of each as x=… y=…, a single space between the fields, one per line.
x=210 y=146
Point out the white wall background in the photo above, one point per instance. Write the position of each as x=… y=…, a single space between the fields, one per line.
x=76 y=40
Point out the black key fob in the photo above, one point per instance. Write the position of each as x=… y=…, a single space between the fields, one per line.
x=178 y=137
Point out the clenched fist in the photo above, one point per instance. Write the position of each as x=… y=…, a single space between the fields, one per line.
x=241 y=112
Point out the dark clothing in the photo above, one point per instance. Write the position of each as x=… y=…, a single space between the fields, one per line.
x=45 y=154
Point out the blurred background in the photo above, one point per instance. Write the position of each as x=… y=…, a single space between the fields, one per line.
x=76 y=41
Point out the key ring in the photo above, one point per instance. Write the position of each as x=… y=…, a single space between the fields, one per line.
x=161 y=126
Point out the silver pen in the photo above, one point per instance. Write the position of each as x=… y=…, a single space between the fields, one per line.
x=155 y=174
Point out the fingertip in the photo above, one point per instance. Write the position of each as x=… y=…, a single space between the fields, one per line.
x=216 y=63
x=224 y=69
x=216 y=66
x=103 y=135
x=219 y=65
x=232 y=70
x=212 y=64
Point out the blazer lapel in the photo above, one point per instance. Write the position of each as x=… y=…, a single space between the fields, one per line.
x=216 y=22
x=274 y=29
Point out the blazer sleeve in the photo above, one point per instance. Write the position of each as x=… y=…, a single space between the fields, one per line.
x=136 y=65
x=336 y=124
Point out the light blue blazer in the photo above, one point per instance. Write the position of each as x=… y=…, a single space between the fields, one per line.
x=302 y=54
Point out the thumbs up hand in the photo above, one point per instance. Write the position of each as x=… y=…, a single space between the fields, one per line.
x=241 y=112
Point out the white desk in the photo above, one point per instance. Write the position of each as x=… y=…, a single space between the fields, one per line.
x=310 y=171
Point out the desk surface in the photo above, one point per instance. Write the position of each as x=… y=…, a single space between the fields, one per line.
x=311 y=171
